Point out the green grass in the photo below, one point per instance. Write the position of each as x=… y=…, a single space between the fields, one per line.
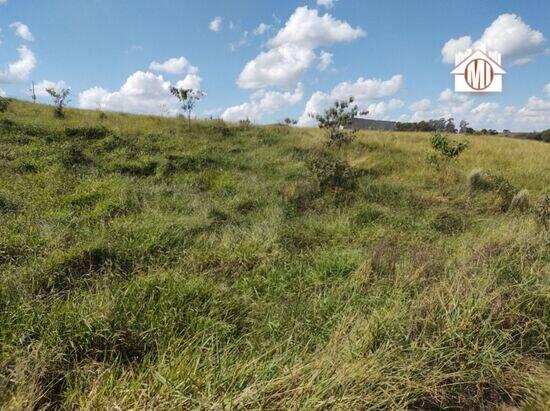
x=147 y=265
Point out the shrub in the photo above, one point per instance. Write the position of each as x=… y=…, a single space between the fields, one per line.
x=542 y=212
x=337 y=121
x=448 y=222
x=331 y=172
x=445 y=152
x=73 y=157
x=520 y=201
x=60 y=101
x=6 y=205
x=89 y=133
x=4 y=103
x=478 y=180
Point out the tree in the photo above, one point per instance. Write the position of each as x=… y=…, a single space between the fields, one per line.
x=290 y=121
x=188 y=98
x=4 y=103
x=60 y=101
x=445 y=151
x=463 y=126
x=337 y=120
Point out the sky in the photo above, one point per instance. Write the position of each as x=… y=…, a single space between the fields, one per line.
x=267 y=60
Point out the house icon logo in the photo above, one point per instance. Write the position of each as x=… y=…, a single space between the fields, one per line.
x=478 y=71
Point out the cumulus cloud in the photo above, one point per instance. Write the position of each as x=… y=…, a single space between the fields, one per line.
x=41 y=87
x=292 y=51
x=261 y=29
x=191 y=81
x=363 y=90
x=263 y=103
x=19 y=70
x=508 y=34
x=22 y=31
x=306 y=28
x=216 y=24
x=281 y=66
x=143 y=92
x=325 y=60
x=547 y=90
x=421 y=105
x=326 y=3
x=174 y=65
x=2 y=92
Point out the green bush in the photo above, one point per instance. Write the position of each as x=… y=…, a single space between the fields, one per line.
x=4 y=103
x=89 y=133
x=73 y=157
x=448 y=222
x=331 y=172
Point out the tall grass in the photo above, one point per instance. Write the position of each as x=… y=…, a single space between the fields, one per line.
x=146 y=264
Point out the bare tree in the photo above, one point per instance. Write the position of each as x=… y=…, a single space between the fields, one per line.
x=188 y=99
x=33 y=93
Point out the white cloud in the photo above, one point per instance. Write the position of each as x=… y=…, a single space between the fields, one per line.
x=3 y=1
x=292 y=50
x=325 y=60
x=367 y=89
x=19 y=70
x=454 y=46
x=263 y=103
x=191 y=81
x=261 y=29
x=174 y=65
x=547 y=90
x=363 y=90
x=22 y=31
x=281 y=66
x=421 y=105
x=306 y=28
x=216 y=24
x=40 y=88
x=326 y=3
x=143 y=92
x=508 y=34
x=2 y=92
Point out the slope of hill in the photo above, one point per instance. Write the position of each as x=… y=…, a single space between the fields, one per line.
x=148 y=265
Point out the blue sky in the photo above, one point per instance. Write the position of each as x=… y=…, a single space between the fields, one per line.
x=305 y=55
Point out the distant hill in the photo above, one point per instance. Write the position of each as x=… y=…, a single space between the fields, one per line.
x=368 y=124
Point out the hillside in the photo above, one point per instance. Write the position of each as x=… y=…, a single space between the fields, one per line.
x=148 y=265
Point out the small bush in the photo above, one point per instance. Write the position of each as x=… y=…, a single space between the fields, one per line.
x=72 y=157
x=445 y=151
x=4 y=103
x=6 y=205
x=448 y=222
x=520 y=201
x=337 y=120
x=478 y=180
x=542 y=212
x=89 y=133
x=331 y=172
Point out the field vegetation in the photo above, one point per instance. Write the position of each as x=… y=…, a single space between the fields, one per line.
x=148 y=264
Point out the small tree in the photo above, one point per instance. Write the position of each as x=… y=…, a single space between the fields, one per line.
x=337 y=120
x=290 y=121
x=4 y=103
x=188 y=98
x=60 y=101
x=445 y=152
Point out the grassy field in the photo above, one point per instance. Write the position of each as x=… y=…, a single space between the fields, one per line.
x=147 y=265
